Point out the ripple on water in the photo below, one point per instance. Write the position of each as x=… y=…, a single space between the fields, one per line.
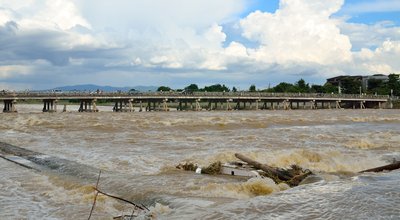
x=140 y=150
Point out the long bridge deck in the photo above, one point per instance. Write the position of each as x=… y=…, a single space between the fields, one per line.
x=197 y=101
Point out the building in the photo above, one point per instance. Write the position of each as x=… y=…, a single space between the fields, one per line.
x=363 y=80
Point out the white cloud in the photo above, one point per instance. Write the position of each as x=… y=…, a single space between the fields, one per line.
x=384 y=59
x=300 y=31
x=369 y=36
x=44 y=14
x=143 y=40
x=8 y=71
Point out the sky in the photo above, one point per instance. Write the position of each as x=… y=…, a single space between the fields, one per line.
x=50 y=43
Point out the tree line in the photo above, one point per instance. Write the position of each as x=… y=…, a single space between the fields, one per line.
x=349 y=85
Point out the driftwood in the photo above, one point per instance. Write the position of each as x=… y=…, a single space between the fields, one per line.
x=292 y=176
x=268 y=169
x=389 y=167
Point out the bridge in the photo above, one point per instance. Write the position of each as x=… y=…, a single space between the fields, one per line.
x=196 y=101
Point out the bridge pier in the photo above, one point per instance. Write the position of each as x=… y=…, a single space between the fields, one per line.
x=313 y=104
x=228 y=105
x=123 y=106
x=140 y=106
x=198 y=106
x=179 y=108
x=150 y=108
x=50 y=105
x=10 y=106
x=165 y=105
x=362 y=106
x=88 y=105
x=286 y=105
x=338 y=105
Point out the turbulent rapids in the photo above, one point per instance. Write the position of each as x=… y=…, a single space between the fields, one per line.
x=138 y=153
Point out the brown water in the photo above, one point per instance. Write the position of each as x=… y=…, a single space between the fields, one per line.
x=138 y=153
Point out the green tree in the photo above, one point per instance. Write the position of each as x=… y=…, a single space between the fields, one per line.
x=377 y=86
x=350 y=85
x=192 y=88
x=394 y=84
x=283 y=87
x=163 y=89
x=317 y=89
x=302 y=87
x=252 y=88
x=234 y=89
x=329 y=88
x=216 y=88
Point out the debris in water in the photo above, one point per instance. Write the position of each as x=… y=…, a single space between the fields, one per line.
x=251 y=168
x=393 y=166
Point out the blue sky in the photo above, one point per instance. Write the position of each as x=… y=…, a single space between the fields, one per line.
x=362 y=16
x=50 y=43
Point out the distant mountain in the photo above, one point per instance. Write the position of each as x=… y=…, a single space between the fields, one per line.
x=91 y=87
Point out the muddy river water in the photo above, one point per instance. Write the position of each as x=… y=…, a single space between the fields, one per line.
x=137 y=153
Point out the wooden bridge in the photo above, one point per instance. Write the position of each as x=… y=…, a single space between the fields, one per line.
x=197 y=101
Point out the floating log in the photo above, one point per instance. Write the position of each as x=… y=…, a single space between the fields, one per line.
x=389 y=167
x=282 y=175
x=292 y=176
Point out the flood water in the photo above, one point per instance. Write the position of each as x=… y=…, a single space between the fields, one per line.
x=137 y=153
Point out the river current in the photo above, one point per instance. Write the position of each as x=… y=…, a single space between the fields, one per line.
x=137 y=153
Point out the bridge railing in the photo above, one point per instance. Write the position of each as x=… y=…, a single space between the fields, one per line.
x=185 y=94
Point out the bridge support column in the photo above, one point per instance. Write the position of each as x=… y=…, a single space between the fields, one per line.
x=257 y=104
x=313 y=104
x=49 y=105
x=165 y=105
x=130 y=105
x=264 y=106
x=141 y=106
x=148 y=107
x=228 y=105
x=179 y=108
x=286 y=105
x=10 y=106
x=338 y=105
x=198 y=107
x=123 y=106
x=362 y=106
x=88 y=105
x=237 y=107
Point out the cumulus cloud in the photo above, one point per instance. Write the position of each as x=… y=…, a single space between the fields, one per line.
x=300 y=31
x=384 y=59
x=124 y=42
x=369 y=36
